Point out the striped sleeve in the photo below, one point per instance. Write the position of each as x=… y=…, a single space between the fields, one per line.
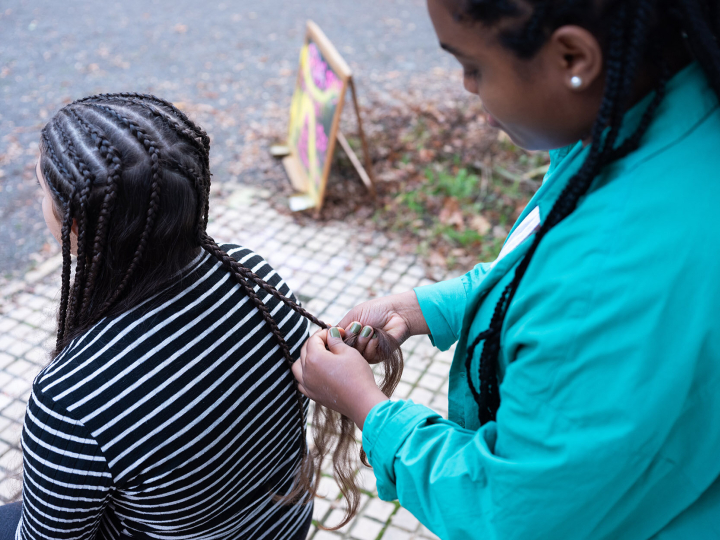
x=66 y=480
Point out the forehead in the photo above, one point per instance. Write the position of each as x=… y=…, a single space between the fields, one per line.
x=458 y=36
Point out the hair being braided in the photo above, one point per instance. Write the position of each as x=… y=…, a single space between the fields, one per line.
x=99 y=134
x=631 y=44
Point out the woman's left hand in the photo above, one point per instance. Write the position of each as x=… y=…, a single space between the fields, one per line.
x=337 y=376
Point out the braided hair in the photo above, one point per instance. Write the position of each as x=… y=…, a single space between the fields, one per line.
x=631 y=30
x=139 y=153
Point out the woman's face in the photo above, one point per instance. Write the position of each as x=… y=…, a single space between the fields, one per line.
x=531 y=100
x=49 y=213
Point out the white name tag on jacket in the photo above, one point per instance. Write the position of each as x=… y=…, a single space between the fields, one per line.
x=528 y=226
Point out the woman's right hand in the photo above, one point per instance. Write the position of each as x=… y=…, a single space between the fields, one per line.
x=399 y=315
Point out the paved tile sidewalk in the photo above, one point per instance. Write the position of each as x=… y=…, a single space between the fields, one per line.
x=331 y=267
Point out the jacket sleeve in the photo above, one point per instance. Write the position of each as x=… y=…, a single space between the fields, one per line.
x=66 y=480
x=580 y=447
x=443 y=305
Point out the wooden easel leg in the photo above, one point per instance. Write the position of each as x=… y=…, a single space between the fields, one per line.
x=363 y=140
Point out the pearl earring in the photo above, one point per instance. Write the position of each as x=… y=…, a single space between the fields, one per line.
x=576 y=82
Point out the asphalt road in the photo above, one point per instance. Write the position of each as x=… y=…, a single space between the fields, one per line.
x=233 y=60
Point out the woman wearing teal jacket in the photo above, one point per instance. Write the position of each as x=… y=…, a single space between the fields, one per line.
x=585 y=388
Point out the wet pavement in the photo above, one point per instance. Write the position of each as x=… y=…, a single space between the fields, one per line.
x=232 y=63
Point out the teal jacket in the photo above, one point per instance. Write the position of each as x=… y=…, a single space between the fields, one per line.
x=609 y=426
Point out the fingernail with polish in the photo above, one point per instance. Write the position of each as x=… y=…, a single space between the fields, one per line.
x=355 y=328
x=335 y=332
x=366 y=332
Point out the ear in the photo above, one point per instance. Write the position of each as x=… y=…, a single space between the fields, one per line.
x=74 y=227
x=578 y=57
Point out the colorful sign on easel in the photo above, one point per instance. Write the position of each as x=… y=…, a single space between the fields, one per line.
x=317 y=104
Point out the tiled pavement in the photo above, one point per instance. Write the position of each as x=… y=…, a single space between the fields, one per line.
x=331 y=267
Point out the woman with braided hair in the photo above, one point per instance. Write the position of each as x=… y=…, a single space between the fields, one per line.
x=584 y=389
x=169 y=409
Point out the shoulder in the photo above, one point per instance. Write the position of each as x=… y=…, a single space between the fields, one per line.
x=242 y=254
x=257 y=264
x=294 y=326
x=83 y=355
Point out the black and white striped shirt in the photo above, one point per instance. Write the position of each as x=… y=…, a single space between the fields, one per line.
x=177 y=419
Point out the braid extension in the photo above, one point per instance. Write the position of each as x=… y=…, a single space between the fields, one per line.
x=74 y=310
x=112 y=159
x=64 y=237
x=231 y=264
x=248 y=274
x=66 y=269
x=702 y=36
x=151 y=148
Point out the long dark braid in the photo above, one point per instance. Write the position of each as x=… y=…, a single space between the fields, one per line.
x=60 y=174
x=630 y=46
x=151 y=147
x=112 y=158
x=82 y=168
x=128 y=129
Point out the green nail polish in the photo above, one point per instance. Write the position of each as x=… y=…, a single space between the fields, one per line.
x=335 y=332
x=366 y=331
x=355 y=328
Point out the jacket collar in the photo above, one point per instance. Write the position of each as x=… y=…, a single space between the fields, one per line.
x=689 y=99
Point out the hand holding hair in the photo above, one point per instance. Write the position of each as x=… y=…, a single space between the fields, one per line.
x=396 y=317
x=334 y=374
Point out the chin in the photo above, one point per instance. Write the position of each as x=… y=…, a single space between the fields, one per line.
x=520 y=141
x=532 y=144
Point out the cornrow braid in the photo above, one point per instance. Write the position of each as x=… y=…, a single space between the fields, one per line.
x=58 y=165
x=49 y=149
x=112 y=159
x=74 y=309
x=187 y=130
x=163 y=104
x=66 y=269
x=204 y=209
x=151 y=148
